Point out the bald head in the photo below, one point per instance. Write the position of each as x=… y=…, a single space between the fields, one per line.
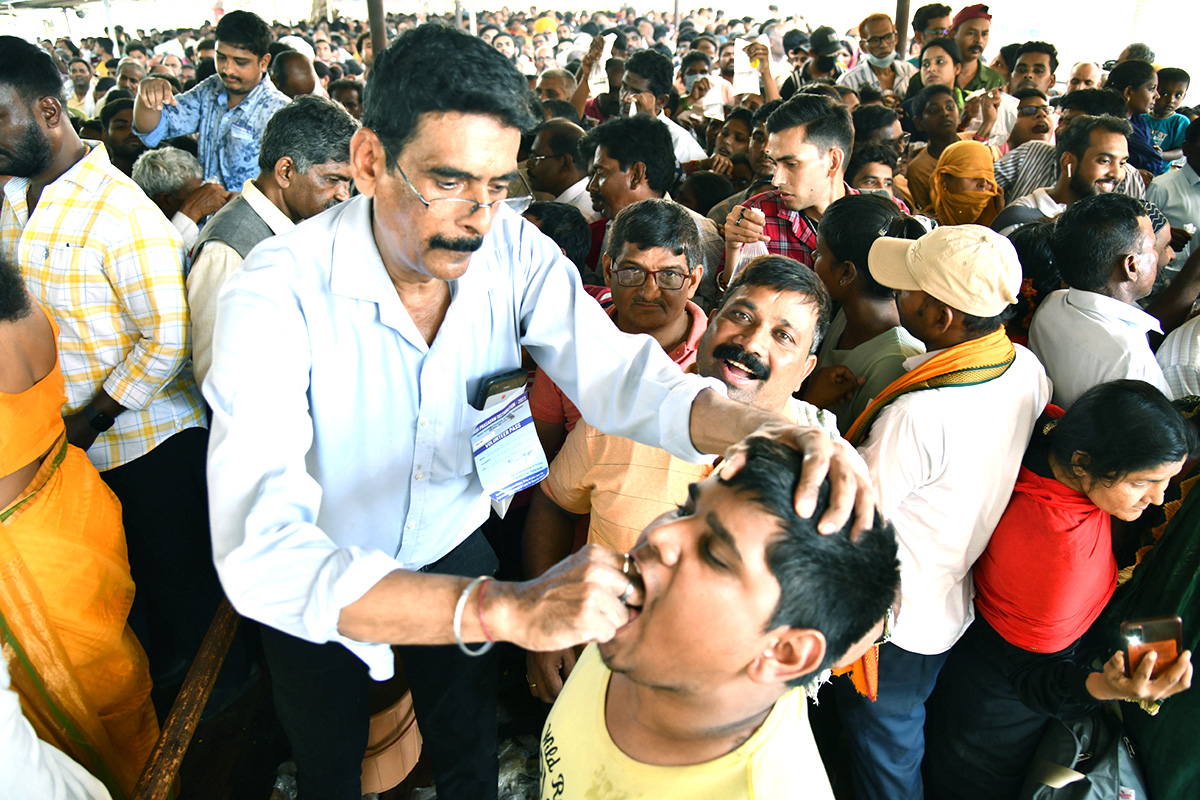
x=293 y=74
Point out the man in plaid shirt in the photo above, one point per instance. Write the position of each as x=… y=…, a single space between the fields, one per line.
x=108 y=267
x=809 y=139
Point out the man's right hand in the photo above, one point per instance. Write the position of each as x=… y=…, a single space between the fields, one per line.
x=595 y=50
x=573 y=602
x=154 y=93
x=208 y=199
x=547 y=672
x=744 y=225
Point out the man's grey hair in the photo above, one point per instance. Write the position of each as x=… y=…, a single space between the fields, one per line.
x=309 y=130
x=134 y=62
x=1139 y=51
x=563 y=75
x=165 y=170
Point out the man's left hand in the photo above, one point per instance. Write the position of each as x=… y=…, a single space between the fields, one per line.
x=850 y=486
x=79 y=431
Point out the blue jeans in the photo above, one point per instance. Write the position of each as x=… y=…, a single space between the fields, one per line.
x=887 y=737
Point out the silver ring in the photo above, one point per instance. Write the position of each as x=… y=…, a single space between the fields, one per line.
x=628 y=563
x=625 y=595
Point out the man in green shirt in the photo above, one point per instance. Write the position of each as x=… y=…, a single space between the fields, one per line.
x=970 y=29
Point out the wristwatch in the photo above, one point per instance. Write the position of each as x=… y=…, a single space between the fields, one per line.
x=100 y=422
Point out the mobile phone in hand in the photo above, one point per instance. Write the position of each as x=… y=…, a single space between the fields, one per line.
x=1162 y=635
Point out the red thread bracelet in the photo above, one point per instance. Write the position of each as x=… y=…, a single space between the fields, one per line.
x=482 y=624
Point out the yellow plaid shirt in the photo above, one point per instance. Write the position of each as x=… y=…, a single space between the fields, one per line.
x=106 y=263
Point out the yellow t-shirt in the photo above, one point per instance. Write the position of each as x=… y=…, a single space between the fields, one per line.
x=580 y=762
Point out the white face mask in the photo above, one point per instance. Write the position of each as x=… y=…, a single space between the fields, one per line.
x=881 y=63
x=689 y=81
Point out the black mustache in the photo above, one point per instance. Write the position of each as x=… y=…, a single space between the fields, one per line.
x=732 y=352
x=466 y=244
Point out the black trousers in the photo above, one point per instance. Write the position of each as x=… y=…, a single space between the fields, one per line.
x=321 y=698
x=164 y=506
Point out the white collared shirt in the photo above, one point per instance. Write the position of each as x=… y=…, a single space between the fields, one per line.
x=862 y=75
x=1085 y=338
x=944 y=463
x=686 y=147
x=577 y=195
x=1179 y=357
x=341 y=443
x=1177 y=195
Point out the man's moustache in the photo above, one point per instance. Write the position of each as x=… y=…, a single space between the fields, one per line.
x=465 y=244
x=732 y=352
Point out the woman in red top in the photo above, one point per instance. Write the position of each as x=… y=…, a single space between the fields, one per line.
x=1046 y=575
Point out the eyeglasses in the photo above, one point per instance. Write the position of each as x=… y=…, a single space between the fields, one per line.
x=1033 y=110
x=898 y=144
x=874 y=41
x=667 y=279
x=535 y=158
x=936 y=31
x=459 y=207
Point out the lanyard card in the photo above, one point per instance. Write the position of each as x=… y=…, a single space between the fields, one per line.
x=508 y=455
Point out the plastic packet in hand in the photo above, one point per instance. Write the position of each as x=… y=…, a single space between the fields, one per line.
x=745 y=76
x=714 y=101
x=598 y=78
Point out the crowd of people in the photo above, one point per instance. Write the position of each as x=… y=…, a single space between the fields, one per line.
x=721 y=365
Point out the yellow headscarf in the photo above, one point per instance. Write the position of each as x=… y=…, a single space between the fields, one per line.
x=966 y=159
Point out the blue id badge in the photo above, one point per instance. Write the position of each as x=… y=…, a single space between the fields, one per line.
x=508 y=455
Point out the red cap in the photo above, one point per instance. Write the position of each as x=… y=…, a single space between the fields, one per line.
x=977 y=11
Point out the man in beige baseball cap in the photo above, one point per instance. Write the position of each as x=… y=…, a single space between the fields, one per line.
x=943 y=444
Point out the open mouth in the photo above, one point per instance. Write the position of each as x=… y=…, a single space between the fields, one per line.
x=1041 y=127
x=634 y=573
x=738 y=373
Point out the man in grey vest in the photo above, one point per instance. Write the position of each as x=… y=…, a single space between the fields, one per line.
x=303 y=169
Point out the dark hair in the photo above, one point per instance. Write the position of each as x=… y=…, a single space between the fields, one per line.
x=107 y=82
x=29 y=71
x=692 y=56
x=794 y=39
x=14 y=298
x=764 y=111
x=949 y=45
x=655 y=68
x=656 y=223
x=1122 y=427
x=868 y=119
x=310 y=130
x=827 y=122
x=136 y=46
x=563 y=137
x=1040 y=276
x=1028 y=92
x=629 y=140
x=1078 y=135
x=926 y=95
x=851 y=224
x=1038 y=47
x=246 y=30
x=786 y=275
x=870 y=154
x=566 y=225
x=708 y=188
x=707 y=38
x=561 y=109
x=113 y=107
x=1009 y=53
x=742 y=115
x=206 y=44
x=844 y=90
x=1129 y=75
x=345 y=83
x=839 y=586
x=1093 y=102
x=106 y=43
x=78 y=60
x=1192 y=134
x=401 y=86
x=1174 y=75
x=1092 y=236
x=923 y=14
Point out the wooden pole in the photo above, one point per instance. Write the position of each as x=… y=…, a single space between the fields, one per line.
x=378 y=26
x=902 y=27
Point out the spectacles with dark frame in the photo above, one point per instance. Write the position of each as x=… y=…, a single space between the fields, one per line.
x=899 y=143
x=459 y=207
x=666 y=279
x=1032 y=110
x=936 y=32
x=874 y=41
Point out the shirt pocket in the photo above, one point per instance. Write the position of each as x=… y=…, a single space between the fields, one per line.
x=73 y=280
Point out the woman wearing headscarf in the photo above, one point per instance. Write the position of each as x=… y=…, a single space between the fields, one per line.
x=963 y=188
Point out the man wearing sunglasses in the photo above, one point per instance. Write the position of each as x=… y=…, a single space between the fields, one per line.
x=351 y=355
x=880 y=66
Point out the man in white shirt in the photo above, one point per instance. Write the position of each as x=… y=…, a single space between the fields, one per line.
x=1094 y=331
x=645 y=89
x=880 y=67
x=944 y=444
x=1092 y=152
x=1177 y=195
x=304 y=163
x=557 y=168
x=345 y=357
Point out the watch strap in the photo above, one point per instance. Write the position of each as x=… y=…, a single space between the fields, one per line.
x=99 y=421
